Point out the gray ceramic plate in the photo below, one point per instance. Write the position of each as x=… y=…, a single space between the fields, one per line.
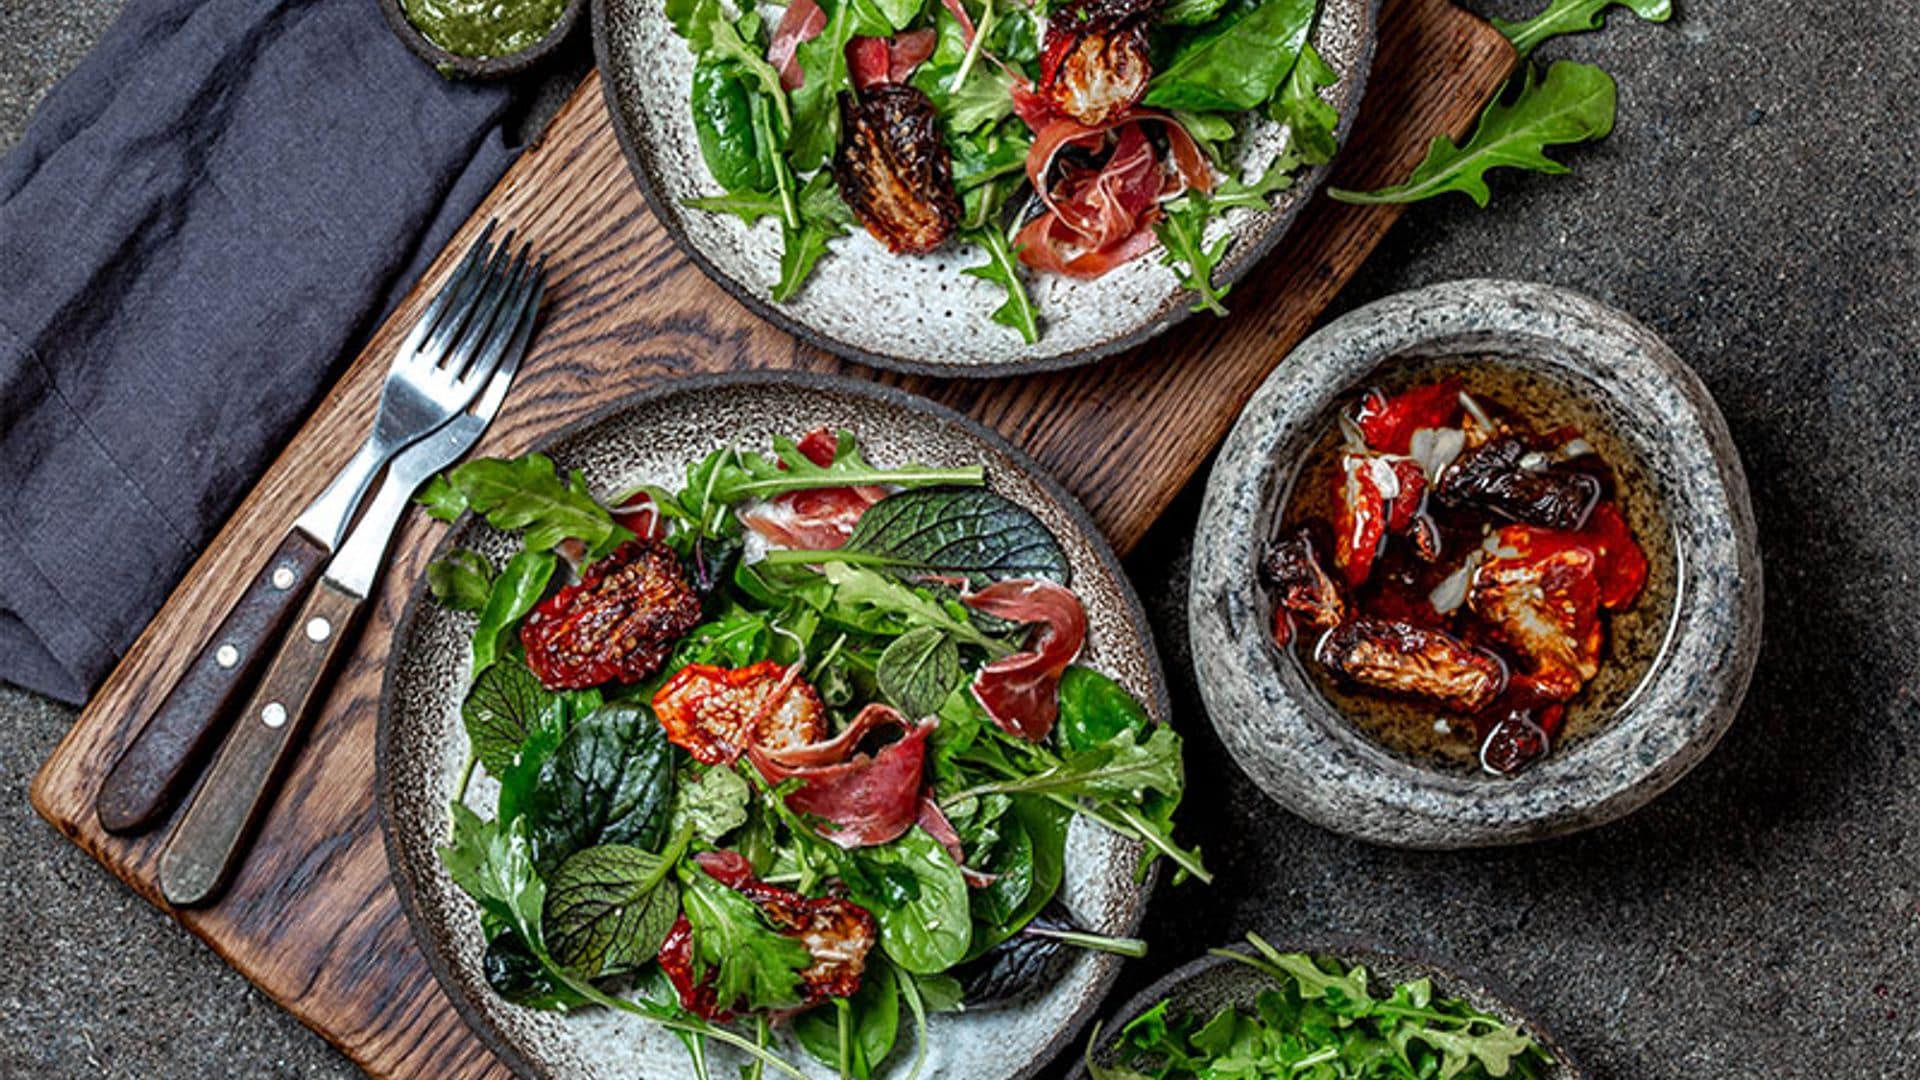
x=1685 y=497
x=922 y=314
x=648 y=438
x=1206 y=985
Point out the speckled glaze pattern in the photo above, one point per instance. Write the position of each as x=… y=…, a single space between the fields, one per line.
x=1210 y=983
x=648 y=439
x=921 y=313
x=1280 y=729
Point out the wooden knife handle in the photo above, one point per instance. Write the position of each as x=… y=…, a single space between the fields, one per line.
x=210 y=837
x=159 y=765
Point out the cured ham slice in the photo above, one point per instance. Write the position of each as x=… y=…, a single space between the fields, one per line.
x=877 y=61
x=1021 y=692
x=866 y=798
x=802 y=22
x=819 y=519
x=1101 y=216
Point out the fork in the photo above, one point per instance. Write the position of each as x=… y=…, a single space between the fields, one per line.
x=211 y=835
x=429 y=381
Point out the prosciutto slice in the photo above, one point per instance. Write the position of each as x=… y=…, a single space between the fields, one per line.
x=1100 y=217
x=867 y=798
x=1021 y=692
x=877 y=61
x=802 y=22
x=819 y=519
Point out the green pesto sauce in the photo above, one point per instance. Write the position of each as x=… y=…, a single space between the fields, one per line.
x=483 y=29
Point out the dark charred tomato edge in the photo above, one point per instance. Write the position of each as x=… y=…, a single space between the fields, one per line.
x=1104 y=37
x=894 y=170
x=619 y=622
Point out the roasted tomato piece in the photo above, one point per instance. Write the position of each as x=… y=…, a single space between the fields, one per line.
x=1623 y=566
x=1095 y=65
x=894 y=170
x=1414 y=660
x=717 y=713
x=1301 y=587
x=619 y=622
x=837 y=933
x=1516 y=741
x=1409 y=495
x=1388 y=423
x=1497 y=477
x=1539 y=590
x=1362 y=524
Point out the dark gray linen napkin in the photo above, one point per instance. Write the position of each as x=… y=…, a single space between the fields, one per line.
x=200 y=225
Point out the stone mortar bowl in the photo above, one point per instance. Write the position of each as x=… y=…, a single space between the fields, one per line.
x=1689 y=483
x=1207 y=984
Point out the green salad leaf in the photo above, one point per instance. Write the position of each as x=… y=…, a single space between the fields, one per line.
x=1310 y=121
x=527 y=495
x=1573 y=104
x=747 y=960
x=1574 y=17
x=974 y=534
x=610 y=781
x=506 y=707
x=919 y=670
x=924 y=928
x=868 y=1025
x=1003 y=269
x=461 y=580
x=1237 y=63
x=521 y=584
x=608 y=908
x=712 y=806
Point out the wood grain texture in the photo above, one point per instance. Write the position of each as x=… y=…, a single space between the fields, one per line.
x=311 y=917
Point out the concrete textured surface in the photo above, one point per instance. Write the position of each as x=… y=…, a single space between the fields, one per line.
x=1759 y=205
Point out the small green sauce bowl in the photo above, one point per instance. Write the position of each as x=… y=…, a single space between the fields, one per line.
x=482 y=39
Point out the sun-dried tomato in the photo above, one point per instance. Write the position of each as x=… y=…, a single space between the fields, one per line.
x=1539 y=591
x=618 y=623
x=1622 y=569
x=1362 y=520
x=717 y=713
x=1414 y=660
x=1095 y=66
x=1494 y=478
x=894 y=169
x=1409 y=496
x=1301 y=587
x=1388 y=423
x=837 y=933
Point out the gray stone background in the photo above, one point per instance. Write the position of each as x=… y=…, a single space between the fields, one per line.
x=1759 y=205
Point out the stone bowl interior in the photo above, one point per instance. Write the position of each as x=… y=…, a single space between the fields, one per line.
x=1211 y=982
x=921 y=314
x=1687 y=500
x=421 y=744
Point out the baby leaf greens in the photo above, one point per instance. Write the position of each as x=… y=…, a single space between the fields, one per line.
x=970 y=534
x=1321 y=1021
x=1575 y=17
x=609 y=908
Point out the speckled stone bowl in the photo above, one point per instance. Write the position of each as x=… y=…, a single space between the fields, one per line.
x=1211 y=982
x=922 y=314
x=421 y=745
x=1268 y=708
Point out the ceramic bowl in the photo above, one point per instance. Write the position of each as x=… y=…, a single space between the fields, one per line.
x=453 y=65
x=1684 y=493
x=421 y=744
x=1212 y=982
x=921 y=314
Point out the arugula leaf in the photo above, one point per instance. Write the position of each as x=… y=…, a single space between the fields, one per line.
x=1124 y=767
x=815 y=129
x=609 y=908
x=1182 y=232
x=1003 y=269
x=610 y=781
x=515 y=592
x=505 y=708
x=749 y=206
x=732 y=944
x=461 y=580
x=1310 y=120
x=712 y=806
x=526 y=493
x=1573 y=104
x=494 y=865
x=971 y=533
x=859 y=593
x=822 y=218
x=1237 y=63
x=919 y=670
x=1574 y=17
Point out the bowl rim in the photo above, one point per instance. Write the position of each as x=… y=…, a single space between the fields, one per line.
x=1103 y=555
x=1483 y=991
x=480 y=68
x=1608 y=774
x=1242 y=257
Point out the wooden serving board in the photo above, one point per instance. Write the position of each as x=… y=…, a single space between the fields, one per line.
x=312 y=918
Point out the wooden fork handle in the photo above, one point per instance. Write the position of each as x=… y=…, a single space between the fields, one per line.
x=161 y=762
x=210 y=838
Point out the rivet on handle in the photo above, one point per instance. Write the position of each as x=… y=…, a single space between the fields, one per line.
x=274 y=715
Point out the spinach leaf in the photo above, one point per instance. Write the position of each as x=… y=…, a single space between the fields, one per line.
x=1189 y=12
x=1573 y=104
x=609 y=907
x=712 y=806
x=461 y=581
x=930 y=932
x=1574 y=17
x=1003 y=269
x=519 y=587
x=732 y=944
x=1011 y=863
x=872 y=1018
x=919 y=670
x=505 y=708
x=723 y=122
x=526 y=493
x=1310 y=120
x=516 y=974
x=1094 y=709
x=610 y=781
x=969 y=533
x=1236 y=64
x=1044 y=824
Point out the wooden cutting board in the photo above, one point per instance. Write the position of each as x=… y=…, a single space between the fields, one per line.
x=311 y=917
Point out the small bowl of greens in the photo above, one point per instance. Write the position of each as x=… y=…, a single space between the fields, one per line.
x=1318 y=1013
x=482 y=39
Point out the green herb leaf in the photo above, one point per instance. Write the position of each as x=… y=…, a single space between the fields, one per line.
x=1573 y=104
x=748 y=961
x=515 y=592
x=610 y=781
x=505 y=708
x=461 y=580
x=1574 y=17
x=609 y=907
x=1237 y=63
x=1003 y=269
x=712 y=806
x=1310 y=121
x=971 y=533
x=442 y=500
x=526 y=494
x=919 y=670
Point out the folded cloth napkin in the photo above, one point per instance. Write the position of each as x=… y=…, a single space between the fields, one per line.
x=199 y=226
